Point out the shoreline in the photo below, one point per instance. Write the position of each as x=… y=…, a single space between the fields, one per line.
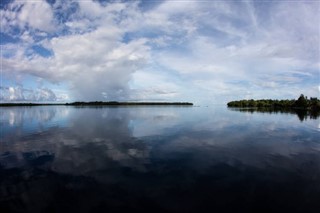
x=100 y=103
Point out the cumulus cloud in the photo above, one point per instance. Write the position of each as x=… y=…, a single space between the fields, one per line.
x=97 y=64
x=36 y=15
x=21 y=94
x=174 y=50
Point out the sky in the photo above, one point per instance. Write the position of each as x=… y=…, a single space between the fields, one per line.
x=205 y=52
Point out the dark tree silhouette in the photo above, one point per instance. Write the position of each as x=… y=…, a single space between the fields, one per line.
x=302 y=102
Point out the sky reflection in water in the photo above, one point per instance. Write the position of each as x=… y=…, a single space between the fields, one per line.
x=166 y=159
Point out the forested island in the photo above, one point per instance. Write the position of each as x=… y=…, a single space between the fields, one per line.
x=303 y=107
x=115 y=103
x=101 y=103
x=302 y=103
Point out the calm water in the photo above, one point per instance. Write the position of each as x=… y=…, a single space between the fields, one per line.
x=157 y=159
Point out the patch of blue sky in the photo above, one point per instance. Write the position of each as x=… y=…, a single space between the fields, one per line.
x=174 y=46
x=14 y=32
x=40 y=50
x=104 y=2
x=147 y=4
x=219 y=37
x=297 y=78
x=61 y=86
x=239 y=82
x=67 y=13
x=5 y=38
x=32 y=82
x=175 y=76
x=308 y=80
x=4 y=3
x=129 y=37
x=263 y=9
x=6 y=83
x=51 y=2
x=28 y=82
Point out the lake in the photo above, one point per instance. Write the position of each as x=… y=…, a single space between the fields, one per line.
x=158 y=159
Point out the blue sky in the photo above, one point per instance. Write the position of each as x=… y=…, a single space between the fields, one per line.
x=206 y=52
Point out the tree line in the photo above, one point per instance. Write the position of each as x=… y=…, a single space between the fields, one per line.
x=303 y=102
x=99 y=103
x=115 y=103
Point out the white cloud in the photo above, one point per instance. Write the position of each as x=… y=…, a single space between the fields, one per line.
x=96 y=64
x=36 y=14
x=45 y=94
x=15 y=94
x=174 y=50
x=19 y=93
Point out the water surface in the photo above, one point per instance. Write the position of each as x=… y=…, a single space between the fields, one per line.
x=157 y=159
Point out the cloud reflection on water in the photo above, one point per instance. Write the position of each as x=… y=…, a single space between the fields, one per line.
x=123 y=135
x=143 y=150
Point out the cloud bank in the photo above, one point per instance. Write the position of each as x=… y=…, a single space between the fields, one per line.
x=206 y=52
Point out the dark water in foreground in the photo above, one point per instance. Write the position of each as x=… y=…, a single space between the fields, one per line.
x=157 y=159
